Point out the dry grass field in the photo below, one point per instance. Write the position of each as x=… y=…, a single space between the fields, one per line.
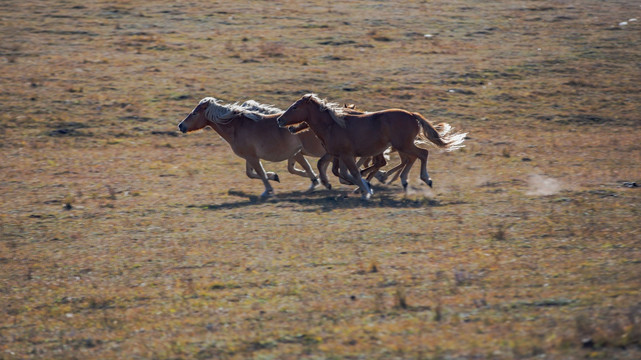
x=121 y=238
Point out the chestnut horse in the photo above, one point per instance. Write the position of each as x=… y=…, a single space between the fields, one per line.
x=346 y=135
x=339 y=168
x=253 y=134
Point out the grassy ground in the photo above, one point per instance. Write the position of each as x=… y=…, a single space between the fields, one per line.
x=121 y=238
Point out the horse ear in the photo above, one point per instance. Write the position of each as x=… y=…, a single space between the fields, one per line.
x=203 y=106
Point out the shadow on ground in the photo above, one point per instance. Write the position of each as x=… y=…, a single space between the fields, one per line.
x=327 y=200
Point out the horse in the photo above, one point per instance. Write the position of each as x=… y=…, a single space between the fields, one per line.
x=347 y=135
x=339 y=169
x=253 y=134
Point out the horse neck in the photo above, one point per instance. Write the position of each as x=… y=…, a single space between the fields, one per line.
x=320 y=122
x=226 y=131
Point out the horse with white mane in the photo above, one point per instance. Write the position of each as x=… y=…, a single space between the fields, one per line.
x=253 y=134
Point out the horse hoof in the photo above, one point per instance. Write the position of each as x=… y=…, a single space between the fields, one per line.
x=276 y=178
x=429 y=183
x=313 y=186
x=266 y=194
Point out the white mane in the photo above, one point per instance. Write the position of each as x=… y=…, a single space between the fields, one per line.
x=225 y=113
x=336 y=111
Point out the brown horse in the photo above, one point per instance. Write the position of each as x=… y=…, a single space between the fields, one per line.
x=253 y=134
x=346 y=135
x=339 y=168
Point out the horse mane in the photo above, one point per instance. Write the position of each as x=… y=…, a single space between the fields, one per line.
x=252 y=106
x=225 y=113
x=335 y=110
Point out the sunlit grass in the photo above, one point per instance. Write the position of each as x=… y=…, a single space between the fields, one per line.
x=120 y=238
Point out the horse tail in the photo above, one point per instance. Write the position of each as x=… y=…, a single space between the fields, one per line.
x=440 y=135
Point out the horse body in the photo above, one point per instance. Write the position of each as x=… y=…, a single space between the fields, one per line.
x=312 y=146
x=346 y=135
x=272 y=145
x=342 y=139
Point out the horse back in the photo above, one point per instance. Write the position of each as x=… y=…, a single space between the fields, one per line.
x=372 y=132
x=384 y=121
x=366 y=134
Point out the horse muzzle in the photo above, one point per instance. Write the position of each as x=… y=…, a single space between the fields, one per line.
x=182 y=128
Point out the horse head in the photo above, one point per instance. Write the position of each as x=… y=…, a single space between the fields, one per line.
x=197 y=118
x=296 y=113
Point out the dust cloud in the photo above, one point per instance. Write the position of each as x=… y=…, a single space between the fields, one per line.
x=543 y=185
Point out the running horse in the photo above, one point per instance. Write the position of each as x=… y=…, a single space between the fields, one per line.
x=253 y=134
x=347 y=135
x=339 y=169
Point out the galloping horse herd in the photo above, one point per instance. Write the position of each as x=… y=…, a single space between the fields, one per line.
x=315 y=127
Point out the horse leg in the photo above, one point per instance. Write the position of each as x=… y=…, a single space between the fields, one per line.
x=308 y=170
x=345 y=177
x=291 y=167
x=378 y=162
x=350 y=163
x=340 y=171
x=424 y=175
x=258 y=167
x=408 y=166
x=322 y=164
x=397 y=169
x=335 y=169
x=251 y=173
x=367 y=170
x=364 y=160
x=383 y=175
x=422 y=154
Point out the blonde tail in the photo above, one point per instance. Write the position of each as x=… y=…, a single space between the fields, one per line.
x=443 y=138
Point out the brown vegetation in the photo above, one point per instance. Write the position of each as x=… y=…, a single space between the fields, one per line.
x=121 y=238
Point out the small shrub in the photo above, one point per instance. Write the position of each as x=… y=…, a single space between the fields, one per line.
x=401 y=297
x=112 y=192
x=272 y=49
x=500 y=234
x=67 y=202
x=438 y=312
x=373 y=267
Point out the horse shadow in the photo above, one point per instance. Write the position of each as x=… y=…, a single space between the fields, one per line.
x=328 y=200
